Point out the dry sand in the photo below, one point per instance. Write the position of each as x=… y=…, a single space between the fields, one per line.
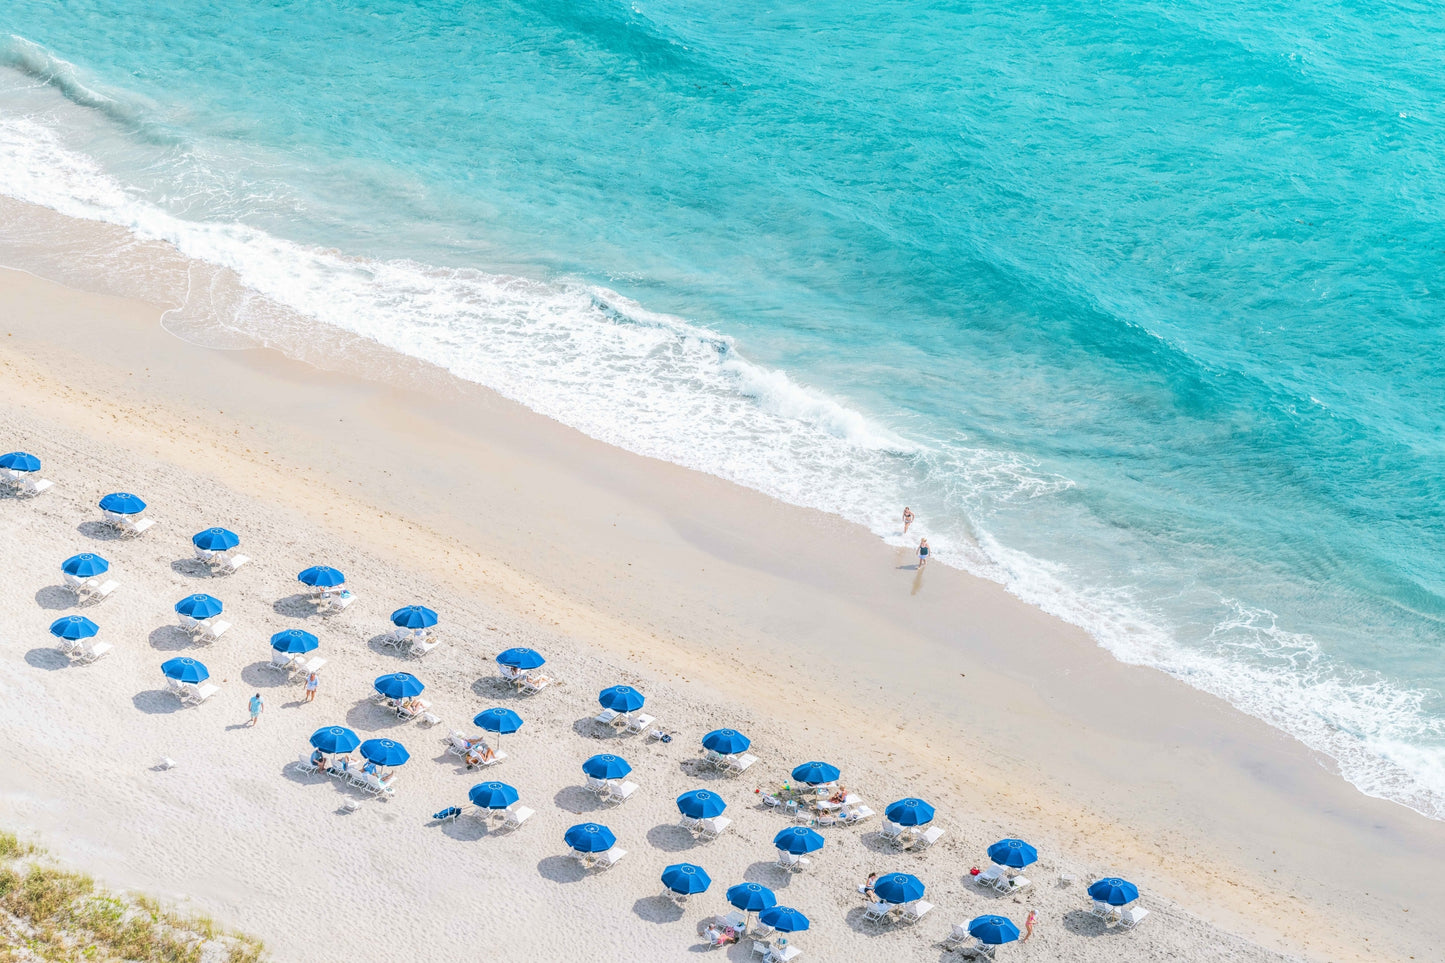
x=724 y=607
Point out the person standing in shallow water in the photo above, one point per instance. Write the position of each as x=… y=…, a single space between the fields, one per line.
x=922 y=553
x=907 y=518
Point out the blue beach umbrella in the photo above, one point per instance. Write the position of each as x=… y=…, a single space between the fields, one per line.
x=1114 y=891
x=492 y=795
x=521 y=658
x=73 y=627
x=700 y=804
x=686 y=878
x=606 y=766
x=294 y=641
x=215 y=540
x=784 y=919
x=798 y=840
x=185 y=670
x=621 y=698
x=20 y=461
x=909 y=812
x=321 y=576
x=816 y=773
x=85 y=565
x=334 y=739
x=898 y=888
x=122 y=503
x=751 y=897
x=726 y=742
x=384 y=752
x=590 y=838
x=414 y=617
x=1013 y=853
x=500 y=721
x=993 y=930
x=199 y=606
x=398 y=685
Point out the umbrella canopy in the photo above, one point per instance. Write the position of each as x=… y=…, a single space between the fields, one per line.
x=751 y=897
x=1013 y=853
x=199 y=606
x=122 y=503
x=492 y=795
x=522 y=658
x=993 y=930
x=398 y=685
x=294 y=641
x=909 y=812
x=606 y=766
x=799 y=840
x=1114 y=891
x=685 y=878
x=73 y=627
x=216 y=540
x=334 y=739
x=500 y=721
x=20 y=461
x=321 y=576
x=700 y=804
x=898 y=888
x=784 y=919
x=414 y=617
x=620 y=698
x=384 y=752
x=726 y=741
x=590 y=838
x=816 y=773
x=85 y=565
x=185 y=670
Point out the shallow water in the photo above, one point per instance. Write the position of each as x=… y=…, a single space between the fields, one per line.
x=1136 y=306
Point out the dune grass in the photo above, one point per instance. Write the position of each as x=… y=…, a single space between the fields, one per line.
x=47 y=913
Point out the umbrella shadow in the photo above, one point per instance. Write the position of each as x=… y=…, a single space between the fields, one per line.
x=670 y=838
x=296 y=606
x=589 y=728
x=291 y=773
x=369 y=716
x=465 y=829
x=47 y=658
x=701 y=770
x=658 y=909
x=493 y=687
x=56 y=597
x=378 y=644
x=1084 y=923
x=577 y=799
x=260 y=675
x=191 y=568
x=156 y=702
x=561 y=869
x=858 y=923
x=876 y=842
x=100 y=531
x=776 y=876
x=170 y=638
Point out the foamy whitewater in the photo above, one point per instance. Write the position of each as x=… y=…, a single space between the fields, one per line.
x=1135 y=308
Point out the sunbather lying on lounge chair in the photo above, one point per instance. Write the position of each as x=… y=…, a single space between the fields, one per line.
x=480 y=753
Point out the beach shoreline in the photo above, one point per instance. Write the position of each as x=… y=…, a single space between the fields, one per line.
x=804 y=622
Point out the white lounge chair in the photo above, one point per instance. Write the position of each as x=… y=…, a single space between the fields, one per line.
x=92 y=651
x=1103 y=911
x=212 y=631
x=67 y=647
x=782 y=954
x=284 y=661
x=737 y=765
x=196 y=694
x=916 y=910
x=1132 y=917
x=497 y=757
x=372 y=783
x=959 y=936
x=856 y=813
x=622 y=792
x=609 y=717
x=1012 y=884
x=639 y=723
x=532 y=684
x=222 y=563
x=98 y=593
x=456 y=743
x=304 y=763
x=690 y=824
x=33 y=486
x=600 y=787
x=608 y=859
x=314 y=665
x=892 y=833
x=516 y=817
x=131 y=524
x=928 y=837
x=329 y=603
x=715 y=827
x=879 y=912
x=792 y=862
x=420 y=647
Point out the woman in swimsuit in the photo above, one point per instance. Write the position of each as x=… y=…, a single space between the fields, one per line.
x=907 y=518
x=922 y=553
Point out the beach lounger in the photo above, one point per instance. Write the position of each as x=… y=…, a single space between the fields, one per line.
x=959 y=936
x=420 y=647
x=792 y=862
x=1132 y=917
x=497 y=757
x=737 y=765
x=414 y=711
x=639 y=723
x=31 y=486
x=690 y=824
x=372 y=783
x=213 y=631
x=516 y=817
x=609 y=717
x=282 y=660
x=67 y=647
x=1013 y=884
x=916 y=910
x=329 y=603
x=90 y=591
x=928 y=837
x=978 y=950
x=891 y=833
x=879 y=912
x=782 y=954
x=989 y=877
x=599 y=787
x=128 y=525
x=608 y=859
x=456 y=743
x=228 y=564
x=304 y=763
x=857 y=814
x=1103 y=911
x=715 y=827
x=762 y=948
x=314 y=665
x=621 y=793
x=92 y=652
x=762 y=930
x=196 y=694
x=532 y=684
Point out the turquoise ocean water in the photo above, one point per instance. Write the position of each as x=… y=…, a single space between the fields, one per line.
x=1138 y=305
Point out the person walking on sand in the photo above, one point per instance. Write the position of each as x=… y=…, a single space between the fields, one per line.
x=311 y=683
x=922 y=553
x=257 y=704
x=1029 y=926
x=907 y=518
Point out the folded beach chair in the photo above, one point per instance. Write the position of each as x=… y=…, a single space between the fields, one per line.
x=622 y=792
x=516 y=817
x=608 y=859
x=737 y=765
x=640 y=723
x=223 y=563
x=212 y=631
x=1132 y=917
x=959 y=936
x=92 y=651
x=928 y=837
x=32 y=486
x=715 y=827
x=879 y=912
x=916 y=910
